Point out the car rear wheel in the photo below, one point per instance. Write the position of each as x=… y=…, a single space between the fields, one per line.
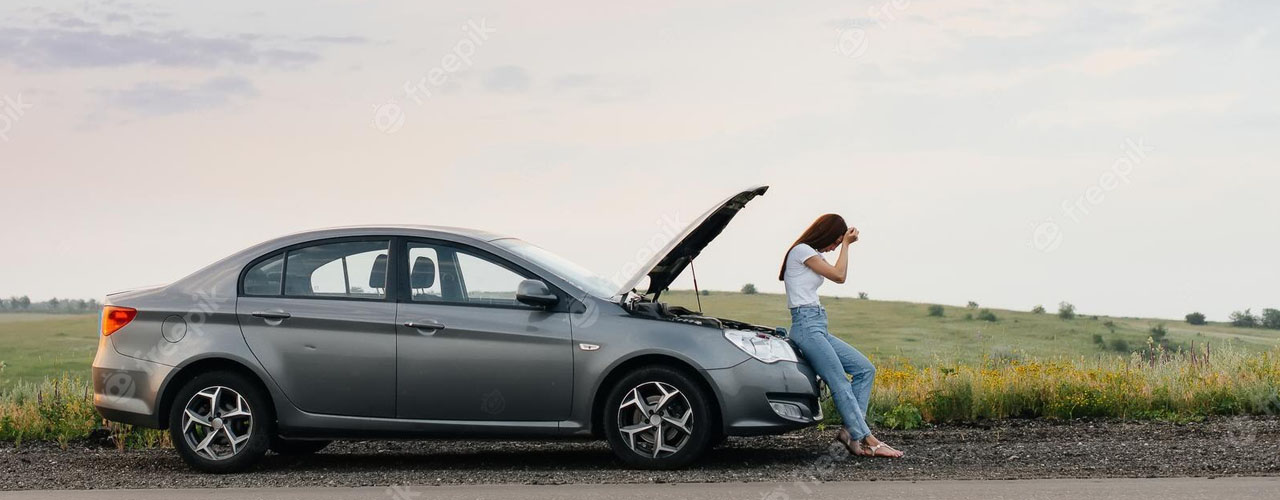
x=220 y=422
x=658 y=418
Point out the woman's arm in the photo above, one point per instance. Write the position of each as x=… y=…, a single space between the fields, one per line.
x=838 y=272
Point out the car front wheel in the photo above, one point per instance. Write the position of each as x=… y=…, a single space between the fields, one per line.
x=220 y=422
x=658 y=418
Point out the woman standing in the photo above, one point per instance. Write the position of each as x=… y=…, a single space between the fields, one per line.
x=803 y=271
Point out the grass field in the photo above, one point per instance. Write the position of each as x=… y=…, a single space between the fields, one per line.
x=904 y=330
x=930 y=369
x=36 y=346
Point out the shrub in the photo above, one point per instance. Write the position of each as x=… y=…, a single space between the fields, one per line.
x=1120 y=345
x=987 y=315
x=59 y=410
x=1195 y=318
x=1004 y=355
x=1271 y=319
x=863 y=296
x=1158 y=332
x=968 y=316
x=902 y=416
x=749 y=289
x=1182 y=386
x=705 y=293
x=936 y=311
x=1066 y=310
x=1097 y=339
x=1037 y=310
x=972 y=305
x=1244 y=319
x=1111 y=325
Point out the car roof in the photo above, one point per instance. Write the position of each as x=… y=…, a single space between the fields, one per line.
x=397 y=229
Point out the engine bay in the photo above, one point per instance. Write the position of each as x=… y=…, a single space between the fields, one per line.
x=639 y=305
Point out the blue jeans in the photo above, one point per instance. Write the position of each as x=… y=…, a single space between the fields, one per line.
x=832 y=358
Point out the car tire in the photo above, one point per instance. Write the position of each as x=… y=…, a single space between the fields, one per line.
x=220 y=422
x=658 y=417
x=717 y=440
x=282 y=446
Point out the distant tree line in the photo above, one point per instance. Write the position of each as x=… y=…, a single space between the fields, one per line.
x=1270 y=318
x=53 y=305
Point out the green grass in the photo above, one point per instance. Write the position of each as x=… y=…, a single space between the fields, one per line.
x=60 y=410
x=38 y=346
x=904 y=330
x=931 y=369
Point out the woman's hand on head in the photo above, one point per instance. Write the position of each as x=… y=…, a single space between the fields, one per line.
x=851 y=236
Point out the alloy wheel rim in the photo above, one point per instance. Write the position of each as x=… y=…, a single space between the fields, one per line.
x=217 y=422
x=655 y=419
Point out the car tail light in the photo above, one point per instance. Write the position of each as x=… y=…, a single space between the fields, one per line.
x=114 y=318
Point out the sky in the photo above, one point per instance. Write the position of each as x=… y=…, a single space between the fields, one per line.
x=1121 y=156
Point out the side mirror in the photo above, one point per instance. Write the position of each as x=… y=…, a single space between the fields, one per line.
x=535 y=293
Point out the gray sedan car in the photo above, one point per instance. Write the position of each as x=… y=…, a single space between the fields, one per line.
x=403 y=332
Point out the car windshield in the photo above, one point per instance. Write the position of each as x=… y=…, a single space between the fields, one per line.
x=590 y=282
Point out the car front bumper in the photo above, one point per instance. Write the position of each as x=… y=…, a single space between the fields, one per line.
x=759 y=398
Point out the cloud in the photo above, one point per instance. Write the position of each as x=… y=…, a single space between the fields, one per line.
x=341 y=40
x=1128 y=113
x=507 y=79
x=599 y=88
x=116 y=17
x=289 y=59
x=153 y=98
x=98 y=38
x=68 y=21
x=1105 y=62
x=586 y=87
x=56 y=48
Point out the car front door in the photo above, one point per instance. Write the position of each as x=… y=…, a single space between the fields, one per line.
x=319 y=319
x=468 y=350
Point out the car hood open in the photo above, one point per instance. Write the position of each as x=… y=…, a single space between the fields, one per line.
x=668 y=263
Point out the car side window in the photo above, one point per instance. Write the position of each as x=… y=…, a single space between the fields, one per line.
x=486 y=282
x=348 y=269
x=263 y=278
x=439 y=273
x=424 y=274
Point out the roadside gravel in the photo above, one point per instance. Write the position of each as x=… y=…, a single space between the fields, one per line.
x=1014 y=449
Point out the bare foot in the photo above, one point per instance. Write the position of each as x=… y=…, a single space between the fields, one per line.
x=854 y=447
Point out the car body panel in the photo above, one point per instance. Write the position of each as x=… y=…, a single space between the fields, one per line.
x=668 y=263
x=745 y=391
x=465 y=371
x=330 y=356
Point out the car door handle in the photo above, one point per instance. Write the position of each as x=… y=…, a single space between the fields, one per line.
x=277 y=314
x=425 y=324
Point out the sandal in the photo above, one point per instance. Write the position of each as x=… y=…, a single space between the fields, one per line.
x=875 y=450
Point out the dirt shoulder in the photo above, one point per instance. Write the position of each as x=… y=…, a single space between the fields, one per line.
x=1004 y=450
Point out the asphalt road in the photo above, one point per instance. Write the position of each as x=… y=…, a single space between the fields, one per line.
x=1242 y=488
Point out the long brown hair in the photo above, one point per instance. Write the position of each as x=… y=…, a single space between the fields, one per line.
x=828 y=229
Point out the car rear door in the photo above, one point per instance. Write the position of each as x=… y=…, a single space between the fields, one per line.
x=321 y=321
x=468 y=350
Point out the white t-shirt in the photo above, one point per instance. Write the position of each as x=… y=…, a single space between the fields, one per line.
x=801 y=282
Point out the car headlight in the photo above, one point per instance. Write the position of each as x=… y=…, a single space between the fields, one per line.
x=761 y=346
